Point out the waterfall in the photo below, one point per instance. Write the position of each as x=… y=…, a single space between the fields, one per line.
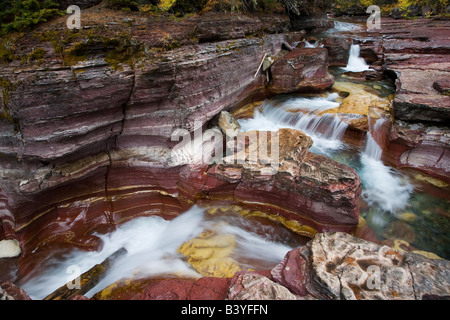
x=355 y=62
x=325 y=130
x=384 y=187
x=373 y=149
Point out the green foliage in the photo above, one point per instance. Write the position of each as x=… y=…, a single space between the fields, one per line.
x=439 y=6
x=405 y=6
x=17 y=15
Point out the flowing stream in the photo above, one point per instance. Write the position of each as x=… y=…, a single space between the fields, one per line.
x=152 y=242
x=355 y=62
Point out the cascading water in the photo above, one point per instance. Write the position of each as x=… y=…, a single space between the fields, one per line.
x=152 y=243
x=302 y=114
x=355 y=62
x=384 y=187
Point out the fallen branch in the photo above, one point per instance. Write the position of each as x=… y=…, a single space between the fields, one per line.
x=87 y=280
x=260 y=65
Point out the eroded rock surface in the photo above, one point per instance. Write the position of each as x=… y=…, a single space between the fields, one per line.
x=340 y=266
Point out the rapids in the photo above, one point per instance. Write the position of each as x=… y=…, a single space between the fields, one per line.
x=152 y=244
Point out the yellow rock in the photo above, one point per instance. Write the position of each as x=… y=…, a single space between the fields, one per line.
x=407 y=216
x=292 y=225
x=398 y=243
x=210 y=254
x=360 y=99
x=433 y=181
x=427 y=254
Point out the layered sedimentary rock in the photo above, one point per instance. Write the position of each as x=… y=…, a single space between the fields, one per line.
x=420 y=59
x=301 y=70
x=308 y=191
x=417 y=56
x=166 y=289
x=338 y=51
x=87 y=126
x=419 y=146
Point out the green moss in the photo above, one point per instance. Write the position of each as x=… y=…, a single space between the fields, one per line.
x=7 y=50
x=35 y=55
x=6 y=88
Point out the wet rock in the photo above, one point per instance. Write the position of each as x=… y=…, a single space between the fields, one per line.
x=301 y=70
x=422 y=147
x=9 y=291
x=345 y=267
x=293 y=271
x=310 y=192
x=166 y=289
x=359 y=102
x=210 y=254
x=338 y=51
x=399 y=230
x=228 y=124
x=252 y=286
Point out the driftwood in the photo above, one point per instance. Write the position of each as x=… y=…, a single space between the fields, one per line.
x=262 y=60
x=87 y=280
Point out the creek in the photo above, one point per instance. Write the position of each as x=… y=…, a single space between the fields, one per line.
x=395 y=204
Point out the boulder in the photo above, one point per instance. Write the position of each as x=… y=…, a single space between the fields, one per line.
x=341 y=266
x=9 y=291
x=338 y=51
x=253 y=286
x=301 y=70
x=308 y=193
x=418 y=146
x=228 y=124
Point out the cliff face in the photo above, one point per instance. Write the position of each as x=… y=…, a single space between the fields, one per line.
x=88 y=117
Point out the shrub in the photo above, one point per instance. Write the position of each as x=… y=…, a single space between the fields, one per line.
x=18 y=15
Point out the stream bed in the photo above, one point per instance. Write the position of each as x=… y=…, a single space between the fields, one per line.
x=397 y=204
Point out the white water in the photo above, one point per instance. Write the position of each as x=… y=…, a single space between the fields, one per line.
x=355 y=62
x=152 y=244
x=384 y=187
x=340 y=26
x=299 y=113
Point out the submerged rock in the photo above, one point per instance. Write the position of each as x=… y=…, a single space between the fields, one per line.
x=210 y=254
